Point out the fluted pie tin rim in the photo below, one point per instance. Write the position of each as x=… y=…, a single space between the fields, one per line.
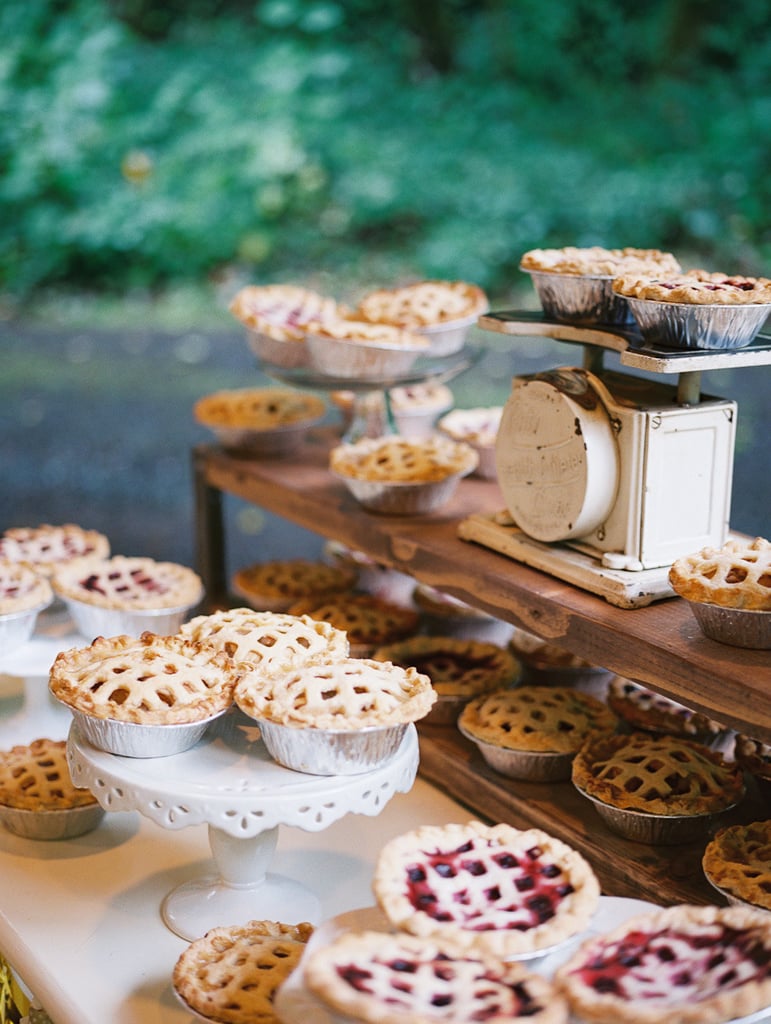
x=331 y=751
x=525 y=765
x=133 y=739
x=737 y=627
x=92 y=620
x=51 y=824
x=686 y=325
x=582 y=299
x=17 y=627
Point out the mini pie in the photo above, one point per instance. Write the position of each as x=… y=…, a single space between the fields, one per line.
x=696 y=286
x=738 y=575
x=553 y=719
x=645 y=709
x=350 y=693
x=276 y=584
x=474 y=426
x=662 y=775
x=36 y=777
x=128 y=583
x=150 y=680
x=423 y=304
x=22 y=589
x=257 y=408
x=485 y=890
x=682 y=964
x=738 y=860
x=597 y=261
x=367 y=620
x=404 y=979
x=754 y=757
x=360 y=332
x=231 y=974
x=45 y=548
x=282 y=311
x=542 y=655
x=398 y=460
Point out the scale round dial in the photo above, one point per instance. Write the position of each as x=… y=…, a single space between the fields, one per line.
x=556 y=455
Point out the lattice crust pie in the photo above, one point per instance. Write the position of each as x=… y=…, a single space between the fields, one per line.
x=598 y=261
x=663 y=775
x=456 y=667
x=275 y=584
x=367 y=620
x=645 y=709
x=738 y=860
x=395 y=459
x=22 y=589
x=404 y=979
x=696 y=286
x=257 y=408
x=536 y=718
x=738 y=575
x=351 y=693
x=128 y=583
x=36 y=777
x=423 y=304
x=360 y=332
x=151 y=680
x=282 y=311
x=489 y=890
x=45 y=548
x=754 y=757
x=232 y=974
x=683 y=965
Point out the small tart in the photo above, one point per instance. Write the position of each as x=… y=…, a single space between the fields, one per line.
x=738 y=575
x=395 y=459
x=456 y=667
x=367 y=620
x=257 y=408
x=738 y=860
x=231 y=974
x=423 y=304
x=22 y=589
x=662 y=775
x=754 y=757
x=282 y=311
x=128 y=583
x=36 y=777
x=698 y=287
x=542 y=655
x=150 y=680
x=477 y=426
x=554 y=719
x=683 y=965
x=45 y=548
x=404 y=979
x=491 y=890
x=645 y=709
x=597 y=261
x=350 y=693
x=276 y=584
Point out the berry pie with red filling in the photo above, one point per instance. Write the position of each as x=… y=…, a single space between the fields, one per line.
x=128 y=583
x=45 y=548
x=696 y=286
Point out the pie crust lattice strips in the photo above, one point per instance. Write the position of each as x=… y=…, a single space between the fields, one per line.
x=598 y=261
x=683 y=965
x=536 y=718
x=231 y=974
x=36 y=777
x=152 y=680
x=257 y=408
x=128 y=583
x=423 y=304
x=274 y=585
x=22 y=589
x=754 y=757
x=493 y=890
x=738 y=860
x=383 y=978
x=361 y=332
x=350 y=694
x=395 y=459
x=653 y=712
x=45 y=548
x=696 y=286
x=282 y=311
x=738 y=575
x=366 y=619
x=662 y=775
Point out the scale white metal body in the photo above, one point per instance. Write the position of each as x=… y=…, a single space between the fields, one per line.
x=608 y=477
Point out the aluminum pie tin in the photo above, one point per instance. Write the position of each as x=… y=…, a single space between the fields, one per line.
x=684 y=325
x=17 y=627
x=349 y=360
x=53 y=824
x=738 y=627
x=133 y=739
x=525 y=765
x=265 y=444
x=331 y=751
x=404 y=499
x=731 y=900
x=582 y=299
x=448 y=337
x=290 y=354
x=93 y=621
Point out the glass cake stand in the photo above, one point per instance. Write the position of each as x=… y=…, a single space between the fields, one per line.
x=229 y=782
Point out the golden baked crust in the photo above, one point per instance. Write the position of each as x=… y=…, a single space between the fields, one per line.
x=423 y=304
x=753 y=756
x=662 y=775
x=130 y=584
x=738 y=860
x=696 y=286
x=645 y=709
x=274 y=585
x=282 y=311
x=45 y=548
x=474 y=426
x=22 y=589
x=541 y=655
x=738 y=575
x=231 y=974
x=485 y=889
x=404 y=979
x=366 y=619
x=400 y=460
x=456 y=667
x=361 y=332
x=553 y=719
x=150 y=680
x=257 y=408
x=350 y=693
x=597 y=261
x=36 y=777
x=683 y=965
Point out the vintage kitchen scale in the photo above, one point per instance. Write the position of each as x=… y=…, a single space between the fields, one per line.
x=608 y=477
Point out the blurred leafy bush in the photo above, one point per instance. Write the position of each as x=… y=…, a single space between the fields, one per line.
x=144 y=143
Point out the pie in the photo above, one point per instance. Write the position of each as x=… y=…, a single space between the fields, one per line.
x=36 y=777
x=231 y=974
x=399 y=460
x=423 y=304
x=130 y=584
x=349 y=693
x=755 y=758
x=22 y=589
x=597 y=261
x=542 y=655
x=478 y=427
x=282 y=311
x=45 y=548
x=682 y=964
x=696 y=286
x=485 y=889
x=738 y=575
x=645 y=709
x=662 y=775
x=367 y=620
x=404 y=979
x=738 y=860
x=274 y=585
x=554 y=719
x=363 y=333
x=150 y=680
x=257 y=408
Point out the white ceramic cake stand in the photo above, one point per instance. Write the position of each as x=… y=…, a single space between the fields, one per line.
x=229 y=782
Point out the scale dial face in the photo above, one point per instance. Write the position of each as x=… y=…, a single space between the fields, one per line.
x=556 y=455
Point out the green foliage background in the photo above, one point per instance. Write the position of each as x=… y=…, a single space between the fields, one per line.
x=144 y=145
